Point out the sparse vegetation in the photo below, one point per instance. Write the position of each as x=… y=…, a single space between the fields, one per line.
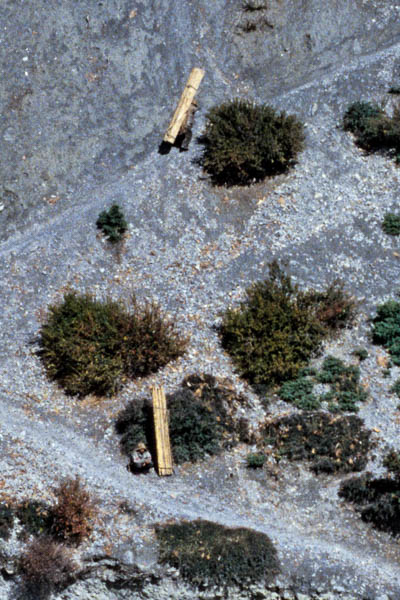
x=391 y=224
x=331 y=444
x=278 y=328
x=244 y=142
x=207 y=553
x=112 y=223
x=386 y=328
x=201 y=420
x=372 y=127
x=46 y=566
x=90 y=346
x=378 y=499
x=255 y=460
x=74 y=512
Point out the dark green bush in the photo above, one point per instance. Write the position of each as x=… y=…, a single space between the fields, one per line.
x=253 y=6
x=358 y=115
x=372 y=128
x=361 y=353
x=378 y=500
x=207 y=553
x=386 y=328
x=391 y=224
x=201 y=420
x=331 y=444
x=36 y=517
x=244 y=142
x=255 y=460
x=89 y=346
x=112 y=223
x=135 y=424
x=396 y=388
x=392 y=464
x=6 y=521
x=278 y=328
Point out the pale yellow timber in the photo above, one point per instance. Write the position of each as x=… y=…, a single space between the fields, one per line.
x=184 y=103
x=161 y=430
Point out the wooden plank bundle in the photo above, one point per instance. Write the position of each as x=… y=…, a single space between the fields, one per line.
x=161 y=430
x=184 y=103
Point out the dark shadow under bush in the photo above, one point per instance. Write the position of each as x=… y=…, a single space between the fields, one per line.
x=6 y=521
x=377 y=499
x=244 y=142
x=207 y=553
x=278 y=328
x=201 y=420
x=331 y=444
x=89 y=346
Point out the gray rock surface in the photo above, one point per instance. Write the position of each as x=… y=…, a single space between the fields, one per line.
x=86 y=93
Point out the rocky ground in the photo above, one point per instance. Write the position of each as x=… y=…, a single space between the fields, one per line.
x=87 y=91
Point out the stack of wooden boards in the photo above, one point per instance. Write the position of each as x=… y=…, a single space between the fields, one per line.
x=184 y=103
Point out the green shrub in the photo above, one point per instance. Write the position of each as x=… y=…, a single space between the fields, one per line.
x=253 y=6
x=201 y=420
x=391 y=224
x=244 y=142
x=207 y=553
x=255 y=460
x=135 y=424
x=46 y=567
x=300 y=393
x=112 y=223
x=378 y=500
x=89 y=346
x=358 y=115
x=278 y=328
x=361 y=353
x=36 y=517
x=392 y=464
x=372 y=128
x=331 y=444
x=386 y=328
x=345 y=392
x=6 y=521
x=74 y=512
x=395 y=389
